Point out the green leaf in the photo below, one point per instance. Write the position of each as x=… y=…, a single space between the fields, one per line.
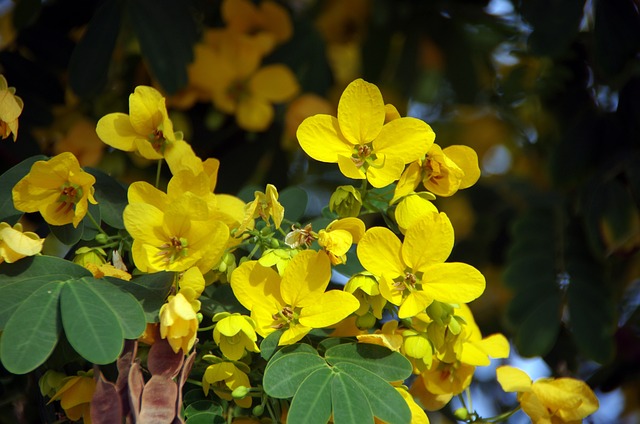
x=386 y=403
x=203 y=406
x=166 y=32
x=350 y=405
x=294 y=348
x=8 y=180
x=539 y=330
x=111 y=196
x=294 y=199
x=90 y=229
x=20 y=279
x=283 y=376
x=122 y=304
x=312 y=402
x=388 y=365
x=68 y=234
x=91 y=326
x=269 y=345
x=90 y=60
x=206 y=418
x=32 y=331
x=150 y=290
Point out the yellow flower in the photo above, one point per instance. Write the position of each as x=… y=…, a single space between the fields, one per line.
x=413 y=273
x=360 y=142
x=107 y=270
x=446 y=379
x=172 y=234
x=442 y=172
x=413 y=207
x=337 y=238
x=297 y=302
x=235 y=334
x=58 y=188
x=388 y=336
x=178 y=323
x=75 y=396
x=16 y=244
x=265 y=206
x=147 y=130
x=364 y=286
x=226 y=377
x=548 y=400
x=10 y=110
x=191 y=285
x=267 y=20
x=240 y=86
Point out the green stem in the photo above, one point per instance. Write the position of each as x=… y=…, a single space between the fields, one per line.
x=196 y=382
x=209 y=328
x=158 y=172
x=95 y=223
x=501 y=417
x=469 y=403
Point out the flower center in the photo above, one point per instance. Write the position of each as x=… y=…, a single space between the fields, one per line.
x=157 y=140
x=238 y=91
x=175 y=249
x=285 y=316
x=69 y=196
x=362 y=153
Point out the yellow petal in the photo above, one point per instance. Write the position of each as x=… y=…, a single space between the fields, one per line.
x=361 y=112
x=385 y=170
x=19 y=243
x=411 y=209
x=305 y=278
x=408 y=181
x=406 y=138
x=379 y=252
x=143 y=192
x=354 y=226
x=146 y=111
x=254 y=114
x=328 y=309
x=115 y=130
x=293 y=334
x=349 y=168
x=416 y=302
x=467 y=159
x=275 y=83
x=428 y=241
x=513 y=379
x=320 y=138
x=254 y=284
x=192 y=279
x=180 y=156
x=453 y=282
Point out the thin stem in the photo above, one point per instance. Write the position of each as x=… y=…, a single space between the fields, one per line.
x=158 y=172
x=271 y=412
x=196 y=382
x=501 y=417
x=209 y=328
x=469 y=403
x=95 y=223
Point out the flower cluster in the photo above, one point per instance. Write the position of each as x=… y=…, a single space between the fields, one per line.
x=402 y=291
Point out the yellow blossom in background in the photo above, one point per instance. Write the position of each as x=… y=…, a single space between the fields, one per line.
x=16 y=244
x=240 y=86
x=226 y=377
x=147 y=130
x=360 y=142
x=10 y=110
x=267 y=20
x=75 y=396
x=548 y=400
x=336 y=239
x=58 y=188
x=82 y=140
x=412 y=273
x=265 y=206
x=305 y=105
x=178 y=323
x=235 y=334
x=296 y=302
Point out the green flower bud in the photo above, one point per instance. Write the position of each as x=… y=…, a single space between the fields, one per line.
x=366 y=321
x=240 y=392
x=199 y=317
x=101 y=238
x=86 y=255
x=346 y=201
x=257 y=410
x=461 y=413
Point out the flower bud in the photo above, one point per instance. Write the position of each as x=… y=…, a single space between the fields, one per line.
x=461 y=413
x=101 y=238
x=366 y=321
x=240 y=392
x=258 y=410
x=90 y=255
x=346 y=201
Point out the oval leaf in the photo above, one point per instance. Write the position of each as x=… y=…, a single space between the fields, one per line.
x=91 y=327
x=285 y=373
x=312 y=403
x=32 y=332
x=388 y=365
x=350 y=405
